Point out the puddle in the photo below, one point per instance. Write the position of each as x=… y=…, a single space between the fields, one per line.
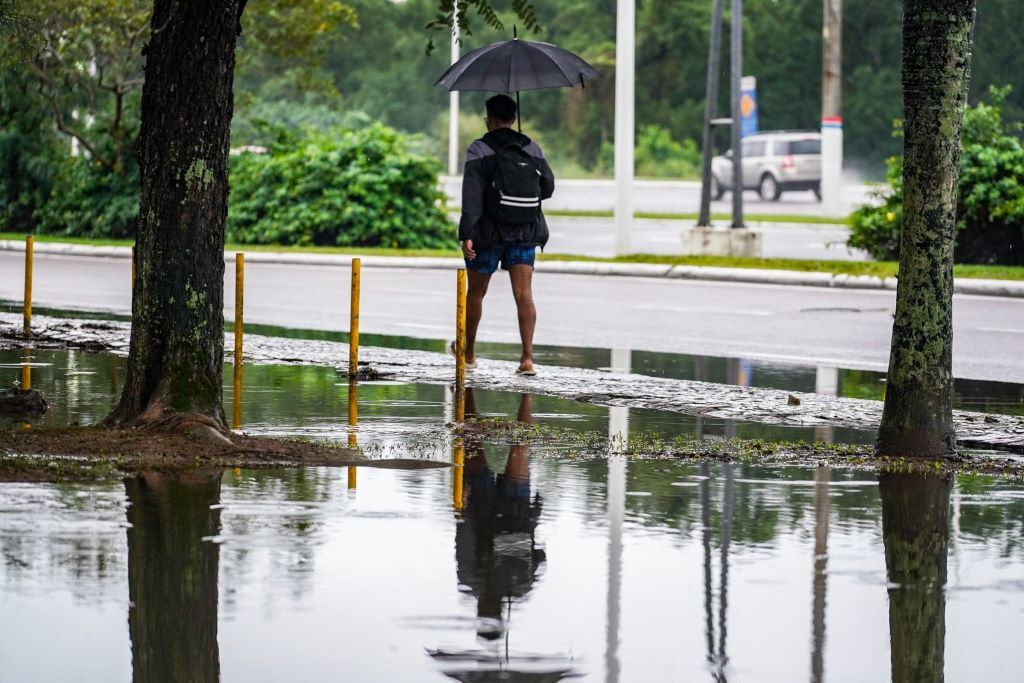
x=601 y=570
x=312 y=401
x=974 y=395
x=518 y=565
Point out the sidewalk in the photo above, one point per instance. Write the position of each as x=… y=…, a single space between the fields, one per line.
x=1000 y=288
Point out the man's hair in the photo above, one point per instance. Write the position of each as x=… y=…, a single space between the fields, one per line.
x=501 y=108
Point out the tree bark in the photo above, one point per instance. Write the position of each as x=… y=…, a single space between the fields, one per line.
x=915 y=531
x=172 y=576
x=177 y=344
x=918 y=417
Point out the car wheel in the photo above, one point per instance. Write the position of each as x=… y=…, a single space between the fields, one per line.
x=769 y=188
x=817 y=191
x=716 y=188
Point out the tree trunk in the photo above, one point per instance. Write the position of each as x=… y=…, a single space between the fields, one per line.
x=172 y=576
x=918 y=417
x=915 y=531
x=177 y=344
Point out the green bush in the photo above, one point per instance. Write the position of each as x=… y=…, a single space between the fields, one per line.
x=343 y=187
x=990 y=205
x=657 y=155
x=90 y=200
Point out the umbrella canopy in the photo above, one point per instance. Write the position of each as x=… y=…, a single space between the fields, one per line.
x=514 y=65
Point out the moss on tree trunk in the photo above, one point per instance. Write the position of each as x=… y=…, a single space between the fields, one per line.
x=177 y=344
x=918 y=417
x=915 y=531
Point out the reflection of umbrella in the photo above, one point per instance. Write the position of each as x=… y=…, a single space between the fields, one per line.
x=514 y=65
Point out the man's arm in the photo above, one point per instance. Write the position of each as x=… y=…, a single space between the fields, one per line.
x=474 y=185
x=547 y=176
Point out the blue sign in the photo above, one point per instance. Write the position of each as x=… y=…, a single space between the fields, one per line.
x=748 y=106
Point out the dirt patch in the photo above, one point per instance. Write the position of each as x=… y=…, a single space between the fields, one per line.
x=89 y=452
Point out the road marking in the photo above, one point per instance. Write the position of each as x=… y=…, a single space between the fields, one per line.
x=1002 y=330
x=725 y=310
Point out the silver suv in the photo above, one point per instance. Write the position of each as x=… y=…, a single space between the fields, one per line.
x=773 y=162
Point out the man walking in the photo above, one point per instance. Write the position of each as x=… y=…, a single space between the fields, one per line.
x=505 y=179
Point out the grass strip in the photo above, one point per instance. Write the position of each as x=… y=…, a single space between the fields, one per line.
x=879 y=269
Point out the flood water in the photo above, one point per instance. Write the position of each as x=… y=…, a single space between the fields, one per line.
x=524 y=564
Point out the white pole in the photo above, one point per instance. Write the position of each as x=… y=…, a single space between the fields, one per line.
x=831 y=109
x=625 y=53
x=453 y=109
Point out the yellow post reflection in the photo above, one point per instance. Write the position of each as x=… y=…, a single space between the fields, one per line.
x=353 y=419
x=26 y=370
x=458 y=460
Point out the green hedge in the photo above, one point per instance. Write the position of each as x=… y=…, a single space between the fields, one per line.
x=990 y=206
x=342 y=187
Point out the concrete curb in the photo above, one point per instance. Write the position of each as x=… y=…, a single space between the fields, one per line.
x=1000 y=288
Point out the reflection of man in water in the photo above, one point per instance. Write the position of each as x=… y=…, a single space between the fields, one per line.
x=494 y=544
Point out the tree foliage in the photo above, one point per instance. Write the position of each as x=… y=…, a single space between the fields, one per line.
x=340 y=187
x=990 y=207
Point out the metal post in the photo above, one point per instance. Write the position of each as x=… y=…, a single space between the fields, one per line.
x=460 y=345
x=27 y=307
x=353 y=322
x=26 y=370
x=236 y=408
x=239 y=305
x=625 y=76
x=453 y=107
x=831 y=107
x=736 y=63
x=710 y=106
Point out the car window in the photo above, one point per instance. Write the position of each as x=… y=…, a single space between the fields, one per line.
x=808 y=146
x=753 y=149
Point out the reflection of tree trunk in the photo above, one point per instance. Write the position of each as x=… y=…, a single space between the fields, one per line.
x=915 y=529
x=172 y=576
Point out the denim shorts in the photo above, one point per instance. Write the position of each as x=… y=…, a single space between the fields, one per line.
x=508 y=255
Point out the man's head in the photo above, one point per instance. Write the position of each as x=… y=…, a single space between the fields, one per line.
x=501 y=112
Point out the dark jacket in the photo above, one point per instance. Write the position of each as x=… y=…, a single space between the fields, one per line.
x=480 y=161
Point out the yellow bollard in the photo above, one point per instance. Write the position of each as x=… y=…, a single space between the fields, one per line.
x=236 y=403
x=353 y=324
x=460 y=345
x=457 y=473
x=29 y=244
x=239 y=304
x=26 y=370
x=353 y=419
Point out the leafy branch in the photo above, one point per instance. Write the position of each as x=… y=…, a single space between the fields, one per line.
x=457 y=12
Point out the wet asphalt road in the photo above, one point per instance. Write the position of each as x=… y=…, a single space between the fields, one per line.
x=801 y=325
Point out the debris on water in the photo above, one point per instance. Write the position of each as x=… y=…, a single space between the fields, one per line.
x=793 y=400
x=21 y=403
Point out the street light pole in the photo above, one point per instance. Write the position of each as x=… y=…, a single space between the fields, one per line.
x=625 y=38
x=453 y=108
x=710 y=106
x=736 y=62
x=831 y=107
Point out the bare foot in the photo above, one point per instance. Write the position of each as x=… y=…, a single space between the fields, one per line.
x=526 y=368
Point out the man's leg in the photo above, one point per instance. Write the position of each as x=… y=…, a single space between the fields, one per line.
x=474 y=309
x=522 y=289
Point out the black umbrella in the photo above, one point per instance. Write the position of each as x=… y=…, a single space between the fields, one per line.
x=514 y=65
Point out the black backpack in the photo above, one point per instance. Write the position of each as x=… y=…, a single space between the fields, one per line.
x=513 y=195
